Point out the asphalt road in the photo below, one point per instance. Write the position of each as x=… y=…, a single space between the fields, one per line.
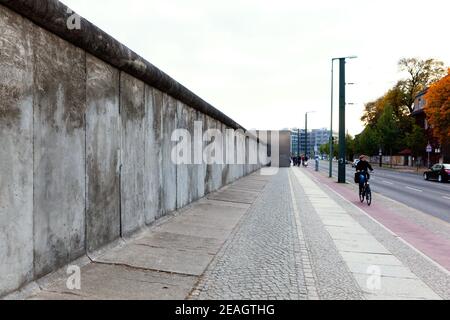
x=430 y=197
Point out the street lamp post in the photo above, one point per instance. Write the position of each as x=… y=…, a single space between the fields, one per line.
x=306 y=135
x=306 y=132
x=331 y=123
x=341 y=164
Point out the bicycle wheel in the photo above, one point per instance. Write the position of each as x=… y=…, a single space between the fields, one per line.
x=369 y=196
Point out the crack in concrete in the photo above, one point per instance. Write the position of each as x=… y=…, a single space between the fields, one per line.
x=153 y=282
x=144 y=269
x=194 y=250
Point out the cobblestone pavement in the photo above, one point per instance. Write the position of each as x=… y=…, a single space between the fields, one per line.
x=293 y=243
x=262 y=260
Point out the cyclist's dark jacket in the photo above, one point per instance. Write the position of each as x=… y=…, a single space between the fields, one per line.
x=363 y=166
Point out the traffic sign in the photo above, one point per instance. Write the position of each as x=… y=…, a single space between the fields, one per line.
x=429 y=148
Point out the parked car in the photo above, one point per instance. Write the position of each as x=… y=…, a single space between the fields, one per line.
x=355 y=163
x=439 y=172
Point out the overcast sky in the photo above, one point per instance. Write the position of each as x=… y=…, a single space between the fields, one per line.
x=265 y=63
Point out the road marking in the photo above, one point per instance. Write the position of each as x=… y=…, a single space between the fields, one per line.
x=387 y=182
x=414 y=189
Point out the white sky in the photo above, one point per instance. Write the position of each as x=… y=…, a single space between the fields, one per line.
x=265 y=63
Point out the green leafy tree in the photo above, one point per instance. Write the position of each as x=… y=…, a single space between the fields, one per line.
x=388 y=130
x=395 y=97
x=416 y=140
x=367 y=142
x=325 y=149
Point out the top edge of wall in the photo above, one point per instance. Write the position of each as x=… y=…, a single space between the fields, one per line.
x=53 y=15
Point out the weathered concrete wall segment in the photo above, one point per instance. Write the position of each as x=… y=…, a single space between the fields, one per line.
x=59 y=151
x=103 y=149
x=85 y=152
x=53 y=15
x=16 y=151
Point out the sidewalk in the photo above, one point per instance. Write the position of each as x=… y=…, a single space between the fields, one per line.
x=365 y=257
x=295 y=235
x=335 y=251
x=165 y=261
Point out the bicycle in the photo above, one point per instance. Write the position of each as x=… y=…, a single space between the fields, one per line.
x=364 y=191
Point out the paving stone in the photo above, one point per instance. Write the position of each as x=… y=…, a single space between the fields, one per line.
x=263 y=253
x=399 y=287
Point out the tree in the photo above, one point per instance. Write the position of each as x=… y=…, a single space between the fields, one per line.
x=416 y=140
x=372 y=111
x=367 y=142
x=387 y=119
x=422 y=73
x=395 y=97
x=398 y=100
x=325 y=149
x=437 y=108
x=388 y=131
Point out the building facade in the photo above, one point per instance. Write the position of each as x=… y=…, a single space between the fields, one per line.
x=316 y=137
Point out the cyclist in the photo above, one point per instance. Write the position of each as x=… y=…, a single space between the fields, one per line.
x=363 y=168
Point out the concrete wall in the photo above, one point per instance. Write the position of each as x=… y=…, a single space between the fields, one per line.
x=103 y=145
x=59 y=96
x=132 y=112
x=153 y=173
x=16 y=151
x=85 y=151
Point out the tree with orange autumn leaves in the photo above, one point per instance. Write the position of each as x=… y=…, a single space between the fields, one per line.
x=396 y=105
x=437 y=108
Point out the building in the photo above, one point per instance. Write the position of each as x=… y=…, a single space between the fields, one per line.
x=285 y=149
x=320 y=136
x=439 y=153
x=316 y=137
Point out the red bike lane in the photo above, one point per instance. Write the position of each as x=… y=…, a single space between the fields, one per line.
x=431 y=245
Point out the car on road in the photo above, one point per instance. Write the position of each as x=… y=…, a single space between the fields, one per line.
x=439 y=172
x=355 y=163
